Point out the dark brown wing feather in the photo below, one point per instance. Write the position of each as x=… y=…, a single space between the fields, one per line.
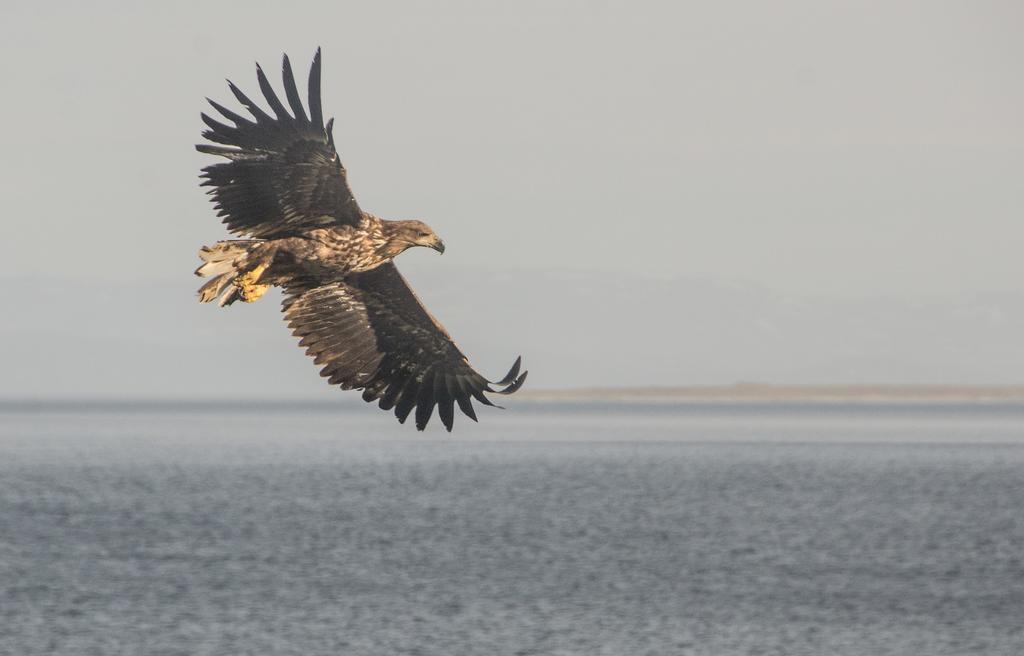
x=371 y=332
x=284 y=176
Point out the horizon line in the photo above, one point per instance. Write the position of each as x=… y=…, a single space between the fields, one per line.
x=739 y=392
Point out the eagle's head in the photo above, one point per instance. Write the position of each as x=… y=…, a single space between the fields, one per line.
x=406 y=234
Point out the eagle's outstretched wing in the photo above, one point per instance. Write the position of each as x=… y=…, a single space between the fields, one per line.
x=371 y=332
x=284 y=176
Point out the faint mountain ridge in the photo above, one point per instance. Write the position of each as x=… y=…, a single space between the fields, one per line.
x=579 y=329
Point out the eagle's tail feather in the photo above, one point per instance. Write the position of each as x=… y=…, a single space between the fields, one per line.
x=233 y=275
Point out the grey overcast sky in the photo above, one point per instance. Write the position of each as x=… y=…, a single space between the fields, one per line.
x=853 y=172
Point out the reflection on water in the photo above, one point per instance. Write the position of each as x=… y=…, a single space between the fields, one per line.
x=546 y=529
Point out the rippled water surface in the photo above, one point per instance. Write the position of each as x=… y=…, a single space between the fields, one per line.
x=546 y=529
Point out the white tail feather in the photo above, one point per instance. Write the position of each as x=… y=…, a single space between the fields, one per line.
x=224 y=263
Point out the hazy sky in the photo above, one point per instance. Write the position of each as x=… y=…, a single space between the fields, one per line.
x=830 y=152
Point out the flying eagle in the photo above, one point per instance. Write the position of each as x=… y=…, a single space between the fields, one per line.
x=284 y=190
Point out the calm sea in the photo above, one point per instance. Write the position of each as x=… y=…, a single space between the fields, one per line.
x=547 y=529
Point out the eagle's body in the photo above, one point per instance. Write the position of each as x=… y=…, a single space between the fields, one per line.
x=322 y=254
x=285 y=190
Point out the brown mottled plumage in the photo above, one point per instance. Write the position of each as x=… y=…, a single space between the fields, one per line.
x=285 y=191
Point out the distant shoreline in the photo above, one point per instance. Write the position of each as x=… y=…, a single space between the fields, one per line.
x=740 y=393
x=768 y=393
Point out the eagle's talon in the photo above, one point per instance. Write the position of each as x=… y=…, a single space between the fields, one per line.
x=248 y=284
